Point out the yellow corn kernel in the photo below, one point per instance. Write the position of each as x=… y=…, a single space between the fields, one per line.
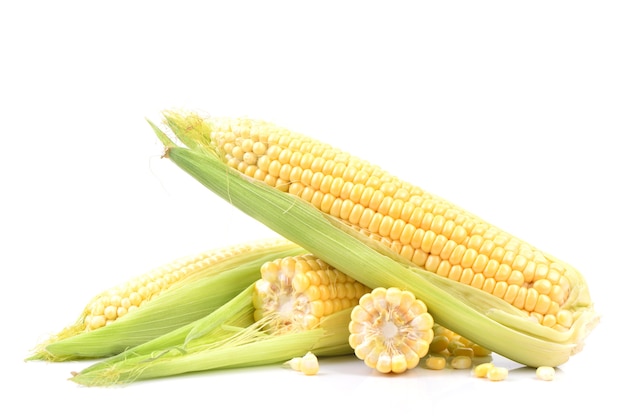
x=297 y=292
x=464 y=351
x=461 y=362
x=454 y=345
x=425 y=229
x=446 y=342
x=439 y=344
x=497 y=373
x=480 y=370
x=479 y=350
x=435 y=362
x=309 y=364
x=294 y=363
x=545 y=373
x=390 y=330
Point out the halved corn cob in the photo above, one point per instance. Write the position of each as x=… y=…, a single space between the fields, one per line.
x=161 y=300
x=296 y=292
x=551 y=312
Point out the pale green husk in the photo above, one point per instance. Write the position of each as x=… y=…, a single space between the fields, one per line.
x=179 y=305
x=480 y=317
x=227 y=338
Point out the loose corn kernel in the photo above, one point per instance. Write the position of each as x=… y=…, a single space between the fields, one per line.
x=439 y=344
x=545 y=373
x=294 y=363
x=464 y=351
x=480 y=351
x=497 y=373
x=435 y=362
x=309 y=364
x=461 y=362
x=446 y=342
x=480 y=371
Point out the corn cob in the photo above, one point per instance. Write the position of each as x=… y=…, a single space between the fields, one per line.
x=229 y=337
x=545 y=324
x=298 y=291
x=161 y=300
x=428 y=231
x=280 y=312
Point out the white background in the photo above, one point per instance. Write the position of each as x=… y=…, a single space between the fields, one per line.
x=513 y=110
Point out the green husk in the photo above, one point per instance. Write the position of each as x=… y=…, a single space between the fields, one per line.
x=180 y=305
x=480 y=317
x=227 y=338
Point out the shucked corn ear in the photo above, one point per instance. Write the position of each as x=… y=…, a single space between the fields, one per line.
x=298 y=291
x=229 y=337
x=279 y=317
x=275 y=319
x=161 y=300
x=476 y=280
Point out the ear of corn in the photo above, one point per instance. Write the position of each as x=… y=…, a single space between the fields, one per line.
x=376 y=250
x=229 y=337
x=296 y=292
x=162 y=300
x=281 y=304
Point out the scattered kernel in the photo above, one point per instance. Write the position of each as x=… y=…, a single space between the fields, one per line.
x=454 y=345
x=439 y=344
x=309 y=364
x=480 y=371
x=294 y=363
x=461 y=362
x=497 y=373
x=436 y=362
x=545 y=373
x=464 y=351
x=480 y=351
